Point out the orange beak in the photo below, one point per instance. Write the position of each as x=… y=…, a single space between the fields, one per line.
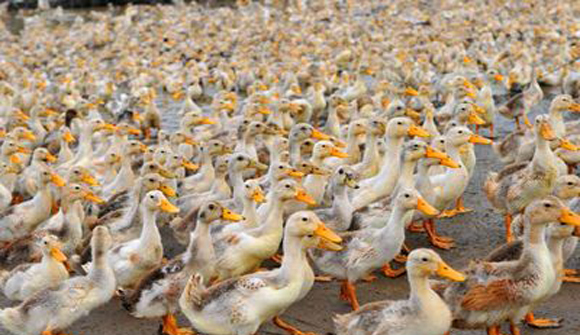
x=476 y=139
x=418 y=131
x=302 y=196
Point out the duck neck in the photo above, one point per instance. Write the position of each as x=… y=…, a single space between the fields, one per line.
x=295 y=155
x=393 y=149
x=274 y=215
x=406 y=179
x=294 y=261
x=101 y=271
x=557 y=122
x=200 y=242
x=534 y=241
x=149 y=234
x=249 y=211
x=371 y=148
x=351 y=145
x=555 y=245
x=238 y=183
x=395 y=227
x=543 y=157
x=420 y=289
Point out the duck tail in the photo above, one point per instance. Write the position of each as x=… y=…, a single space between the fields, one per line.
x=490 y=186
x=192 y=295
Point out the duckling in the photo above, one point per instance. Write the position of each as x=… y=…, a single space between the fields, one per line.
x=370 y=249
x=132 y=260
x=27 y=279
x=500 y=291
x=236 y=300
x=511 y=192
x=158 y=293
x=424 y=313
x=50 y=311
x=298 y=134
x=202 y=180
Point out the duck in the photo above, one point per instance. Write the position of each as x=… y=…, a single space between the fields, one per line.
x=253 y=197
x=370 y=163
x=28 y=279
x=125 y=179
x=27 y=186
x=46 y=313
x=370 y=249
x=494 y=292
x=21 y=219
x=423 y=313
x=245 y=309
x=383 y=184
x=132 y=260
x=511 y=190
x=314 y=183
x=244 y=251
x=158 y=293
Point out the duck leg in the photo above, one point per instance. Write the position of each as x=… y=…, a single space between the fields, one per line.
x=440 y=242
x=460 y=208
x=416 y=227
x=392 y=273
x=289 y=328
x=491 y=131
x=508 y=228
x=542 y=323
x=348 y=293
x=170 y=326
x=514 y=329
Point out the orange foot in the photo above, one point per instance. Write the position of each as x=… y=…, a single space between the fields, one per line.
x=392 y=273
x=400 y=258
x=370 y=278
x=542 y=323
x=416 y=227
x=170 y=327
x=289 y=328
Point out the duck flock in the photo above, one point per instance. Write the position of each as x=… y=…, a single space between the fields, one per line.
x=281 y=144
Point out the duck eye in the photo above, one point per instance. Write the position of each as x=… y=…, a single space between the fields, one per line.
x=304 y=219
x=547 y=205
x=425 y=259
x=211 y=207
x=287 y=186
x=341 y=171
x=399 y=123
x=570 y=183
x=461 y=132
x=280 y=167
x=240 y=158
x=407 y=195
x=151 y=196
x=151 y=179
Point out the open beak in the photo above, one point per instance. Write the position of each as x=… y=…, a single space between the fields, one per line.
x=473 y=118
x=476 y=139
x=448 y=272
x=434 y=153
x=258 y=196
x=108 y=127
x=352 y=183
x=337 y=153
x=68 y=137
x=57 y=180
x=50 y=158
x=575 y=107
x=189 y=165
x=90 y=196
x=206 y=120
x=567 y=145
x=168 y=207
x=302 y=196
x=328 y=239
x=547 y=132
x=317 y=134
x=411 y=92
x=447 y=161
x=167 y=190
x=89 y=180
x=22 y=116
x=231 y=216
x=425 y=208
x=498 y=77
x=58 y=255
x=569 y=217
x=418 y=131
x=294 y=173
